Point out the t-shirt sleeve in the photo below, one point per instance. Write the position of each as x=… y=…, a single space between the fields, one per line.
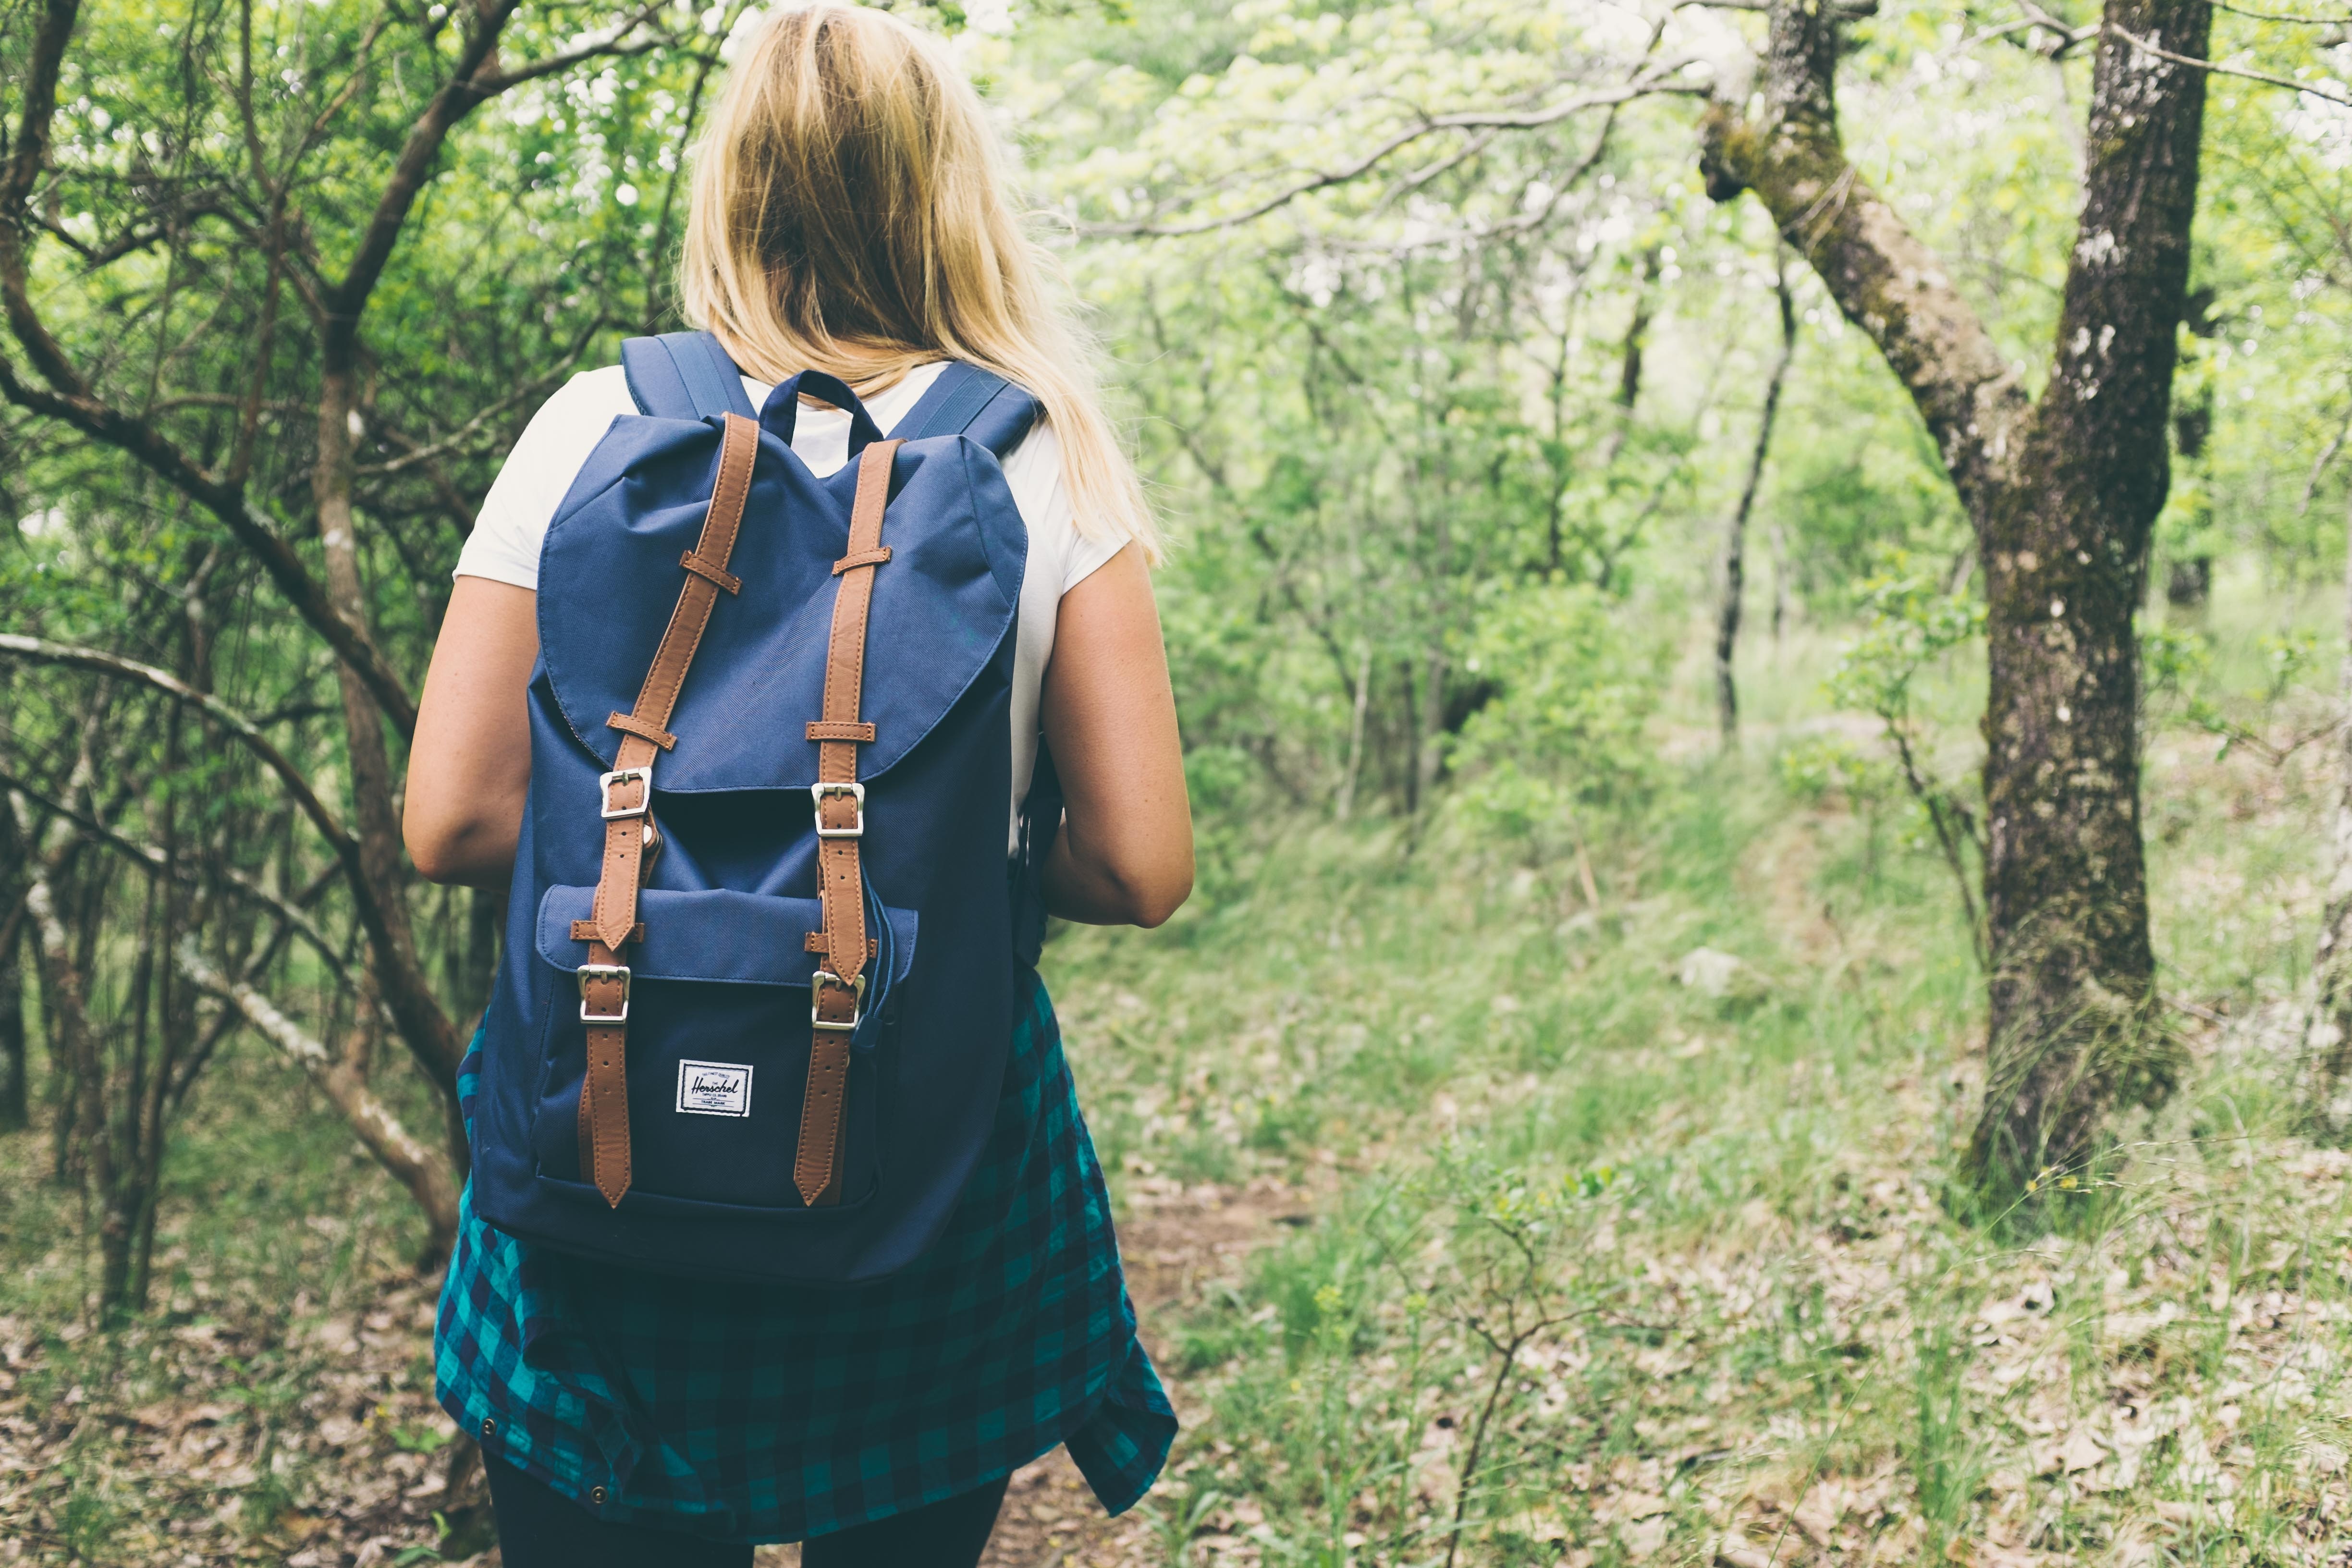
x=1034 y=472
x=512 y=523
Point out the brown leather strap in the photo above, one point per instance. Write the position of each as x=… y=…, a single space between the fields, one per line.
x=629 y=832
x=836 y=990
x=583 y=932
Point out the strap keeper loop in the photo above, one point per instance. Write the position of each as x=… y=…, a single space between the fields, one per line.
x=827 y=729
x=857 y=558
x=630 y=724
x=710 y=571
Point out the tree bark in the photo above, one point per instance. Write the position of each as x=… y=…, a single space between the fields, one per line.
x=2327 y=1034
x=15 y=1075
x=74 y=1040
x=1734 y=543
x=2063 y=495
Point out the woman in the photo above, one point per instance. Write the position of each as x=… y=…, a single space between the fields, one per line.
x=847 y=217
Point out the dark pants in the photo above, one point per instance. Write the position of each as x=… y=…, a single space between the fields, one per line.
x=540 y=1528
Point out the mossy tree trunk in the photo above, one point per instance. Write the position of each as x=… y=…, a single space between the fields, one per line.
x=2063 y=493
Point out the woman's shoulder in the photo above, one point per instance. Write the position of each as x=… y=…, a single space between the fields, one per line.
x=590 y=396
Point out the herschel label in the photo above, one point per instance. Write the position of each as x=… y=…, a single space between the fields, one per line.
x=714 y=1089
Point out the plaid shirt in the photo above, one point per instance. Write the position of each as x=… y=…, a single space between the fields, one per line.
x=755 y=1412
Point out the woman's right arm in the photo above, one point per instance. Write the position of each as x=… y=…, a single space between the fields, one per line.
x=469 y=767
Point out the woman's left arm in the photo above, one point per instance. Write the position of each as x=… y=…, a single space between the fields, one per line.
x=469 y=767
x=1124 y=856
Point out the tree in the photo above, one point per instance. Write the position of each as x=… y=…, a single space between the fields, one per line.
x=2062 y=493
x=1735 y=542
x=260 y=343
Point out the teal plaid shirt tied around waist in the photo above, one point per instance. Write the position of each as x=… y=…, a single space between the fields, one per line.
x=763 y=1413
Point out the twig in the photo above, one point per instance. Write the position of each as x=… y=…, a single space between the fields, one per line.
x=2216 y=68
x=156 y=863
x=1655 y=81
x=425 y=1176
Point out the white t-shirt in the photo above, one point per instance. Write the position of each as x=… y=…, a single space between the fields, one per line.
x=513 y=522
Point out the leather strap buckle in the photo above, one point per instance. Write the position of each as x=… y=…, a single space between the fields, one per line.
x=605 y=782
x=856 y=791
x=591 y=973
x=855 y=985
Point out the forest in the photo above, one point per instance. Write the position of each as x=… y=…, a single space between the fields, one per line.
x=1757 y=603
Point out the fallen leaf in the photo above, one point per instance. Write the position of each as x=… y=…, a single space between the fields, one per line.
x=1643 y=1538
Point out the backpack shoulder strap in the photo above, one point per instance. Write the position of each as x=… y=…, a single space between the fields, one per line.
x=969 y=401
x=684 y=375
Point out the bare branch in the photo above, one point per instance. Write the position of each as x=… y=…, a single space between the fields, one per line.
x=615 y=43
x=1652 y=82
x=155 y=862
x=40 y=650
x=2216 y=68
x=466 y=88
x=415 y=454
x=424 y=1027
x=412 y=1164
x=2281 y=17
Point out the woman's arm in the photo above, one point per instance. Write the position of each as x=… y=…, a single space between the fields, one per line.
x=469 y=767
x=1124 y=856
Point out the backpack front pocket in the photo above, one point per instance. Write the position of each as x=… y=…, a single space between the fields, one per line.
x=719 y=1040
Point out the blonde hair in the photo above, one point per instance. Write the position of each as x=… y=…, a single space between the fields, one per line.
x=849 y=216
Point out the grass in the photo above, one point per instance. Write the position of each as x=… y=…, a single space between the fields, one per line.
x=1761 y=1335
x=1602 y=1266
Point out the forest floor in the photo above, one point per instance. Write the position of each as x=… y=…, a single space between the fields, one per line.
x=1477 y=1212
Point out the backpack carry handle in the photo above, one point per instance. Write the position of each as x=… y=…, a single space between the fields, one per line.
x=683 y=375
x=782 y=411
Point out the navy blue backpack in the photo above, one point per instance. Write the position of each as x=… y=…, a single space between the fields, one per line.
x=758 y=990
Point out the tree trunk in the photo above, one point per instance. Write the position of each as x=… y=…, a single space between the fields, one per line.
x=74 y=1040
x=2075 y=1023
x=1734 y=543
x=2327 y=1037
x=2063 y=497
x=15 y=1075
x=424 y=1027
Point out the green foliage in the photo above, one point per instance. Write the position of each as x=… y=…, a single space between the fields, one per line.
x=1911 y=619
x=1563 y=738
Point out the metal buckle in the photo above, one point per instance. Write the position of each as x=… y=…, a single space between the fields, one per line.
x=605 y=782
x=855 y=987
x=588 y=972
x=856 y=791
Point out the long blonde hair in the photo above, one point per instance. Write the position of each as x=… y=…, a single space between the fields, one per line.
x=849 y=216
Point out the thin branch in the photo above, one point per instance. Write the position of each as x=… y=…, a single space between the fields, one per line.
x=2216 y=68
x=1651 y=83
x=610 y=46
x=40 y=650
x=414 y=1166
x=423 y=1026
x=414 y=454
x=2281 y=17
x=156 y=863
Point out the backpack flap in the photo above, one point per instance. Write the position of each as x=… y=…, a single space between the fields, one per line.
x=944 y=604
